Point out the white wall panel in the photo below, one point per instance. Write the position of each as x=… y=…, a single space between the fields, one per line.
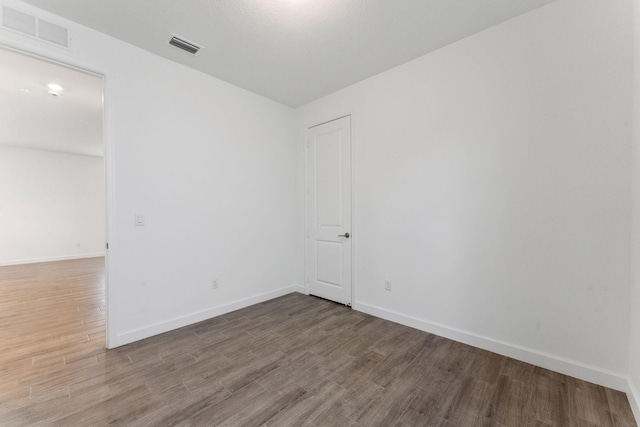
x=52 y=206
x=492 y=187
x=212 y=168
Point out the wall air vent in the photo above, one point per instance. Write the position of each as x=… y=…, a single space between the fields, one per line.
x=34 y=27
x=18 y=21
x=53 y=33
x=185 y=45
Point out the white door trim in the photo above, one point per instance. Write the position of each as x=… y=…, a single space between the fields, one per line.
x=62 y=57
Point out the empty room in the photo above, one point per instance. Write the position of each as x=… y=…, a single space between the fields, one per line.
x=470 y=258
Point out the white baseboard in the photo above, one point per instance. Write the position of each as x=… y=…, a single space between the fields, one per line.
x=552 y=362
x=189 y=319
x=634 y=400
x=50 y=259
x=300 y=289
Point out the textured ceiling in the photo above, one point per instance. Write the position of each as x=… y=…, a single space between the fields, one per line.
x=292 y=51
x=32 y=118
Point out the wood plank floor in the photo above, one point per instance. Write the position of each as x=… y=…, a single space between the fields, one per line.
x=293 y=361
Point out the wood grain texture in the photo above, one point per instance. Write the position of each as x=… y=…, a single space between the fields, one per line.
x=292 y=361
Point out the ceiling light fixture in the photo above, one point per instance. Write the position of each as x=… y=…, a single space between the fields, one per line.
x=54 y=93
x=55 y=87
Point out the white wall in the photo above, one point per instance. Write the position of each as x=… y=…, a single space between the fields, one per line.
x=51 y=206
x=491 y=185
x=634 y=340
x=210 y=165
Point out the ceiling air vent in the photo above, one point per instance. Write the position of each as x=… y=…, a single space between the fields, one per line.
x=185 y=45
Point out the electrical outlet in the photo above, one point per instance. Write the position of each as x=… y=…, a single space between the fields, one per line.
x=214 y=284
x=387 y=285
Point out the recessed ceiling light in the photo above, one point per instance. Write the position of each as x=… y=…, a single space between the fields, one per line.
x=55 y=87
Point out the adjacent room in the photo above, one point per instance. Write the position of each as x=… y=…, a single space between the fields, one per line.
x=53 y=199
x=324 y=213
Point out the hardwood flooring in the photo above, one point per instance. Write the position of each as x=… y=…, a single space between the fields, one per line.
x=293 y=361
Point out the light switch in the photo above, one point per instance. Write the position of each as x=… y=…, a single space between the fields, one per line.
x=139 y=219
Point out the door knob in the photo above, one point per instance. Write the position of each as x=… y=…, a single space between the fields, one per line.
x=347 y=235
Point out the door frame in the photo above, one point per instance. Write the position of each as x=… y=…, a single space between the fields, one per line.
x=305 y=152
x=62 y=57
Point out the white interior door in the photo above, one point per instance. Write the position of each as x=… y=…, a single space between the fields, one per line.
x=329 y=210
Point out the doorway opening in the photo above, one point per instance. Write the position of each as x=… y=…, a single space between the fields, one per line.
x=53 y=206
